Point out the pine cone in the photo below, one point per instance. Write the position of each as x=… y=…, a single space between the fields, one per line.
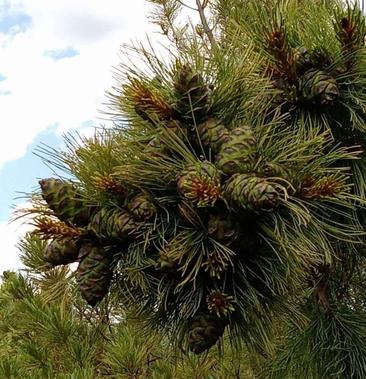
x=200 y=183
x=192 y=95
x=141 y=207
x=274 y=169
x=204 y=331
x=303 y=60
x=318 y=87
x=113 y=224
x=237 y=153
x=213 y=134
x=62 y=198
x=94 y=273
x=61 y=252
x=251 y=192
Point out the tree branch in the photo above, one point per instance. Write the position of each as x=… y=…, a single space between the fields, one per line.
x=206 y=27
x=187 y=6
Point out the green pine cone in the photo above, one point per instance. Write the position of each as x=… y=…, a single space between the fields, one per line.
x=61 y=252
x=141 y=207
x=200 y=183
x=204 y=331
x=62 y=198
x=274 y=169
x=318 y=87
x=213 y=134
x=238 y=152
x=94 y=273
x=113 y=224
x=192 y=94
x=303 y=60
x=251 y=192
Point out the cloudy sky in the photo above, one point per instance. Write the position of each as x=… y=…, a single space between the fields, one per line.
x=56 y=60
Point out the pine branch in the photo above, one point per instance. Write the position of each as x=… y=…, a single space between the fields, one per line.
x=206 y=27
x=187 y=6
x=278 y=46
x=213 y=196
x=165 y=17
x=351 y=31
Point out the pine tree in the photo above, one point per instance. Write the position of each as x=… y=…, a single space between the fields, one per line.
x=229 y=195
x=48 y=331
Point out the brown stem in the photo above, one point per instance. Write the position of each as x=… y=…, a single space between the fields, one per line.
x=187 y=6
x=152 y=358
x=206 y=27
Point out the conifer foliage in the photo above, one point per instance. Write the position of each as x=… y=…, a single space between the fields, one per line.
x=48 y=331
x=229 y=195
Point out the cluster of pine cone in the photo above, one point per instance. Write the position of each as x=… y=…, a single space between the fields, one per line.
x=305 y=78
x=87 y=233
x=216 y=193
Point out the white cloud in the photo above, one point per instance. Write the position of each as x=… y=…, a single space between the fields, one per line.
x=42 y=91
x=10 y=233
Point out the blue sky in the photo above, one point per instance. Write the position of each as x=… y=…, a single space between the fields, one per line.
x=19 y=176
x=56 y=60
x=56 y=54
x=14 y=23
